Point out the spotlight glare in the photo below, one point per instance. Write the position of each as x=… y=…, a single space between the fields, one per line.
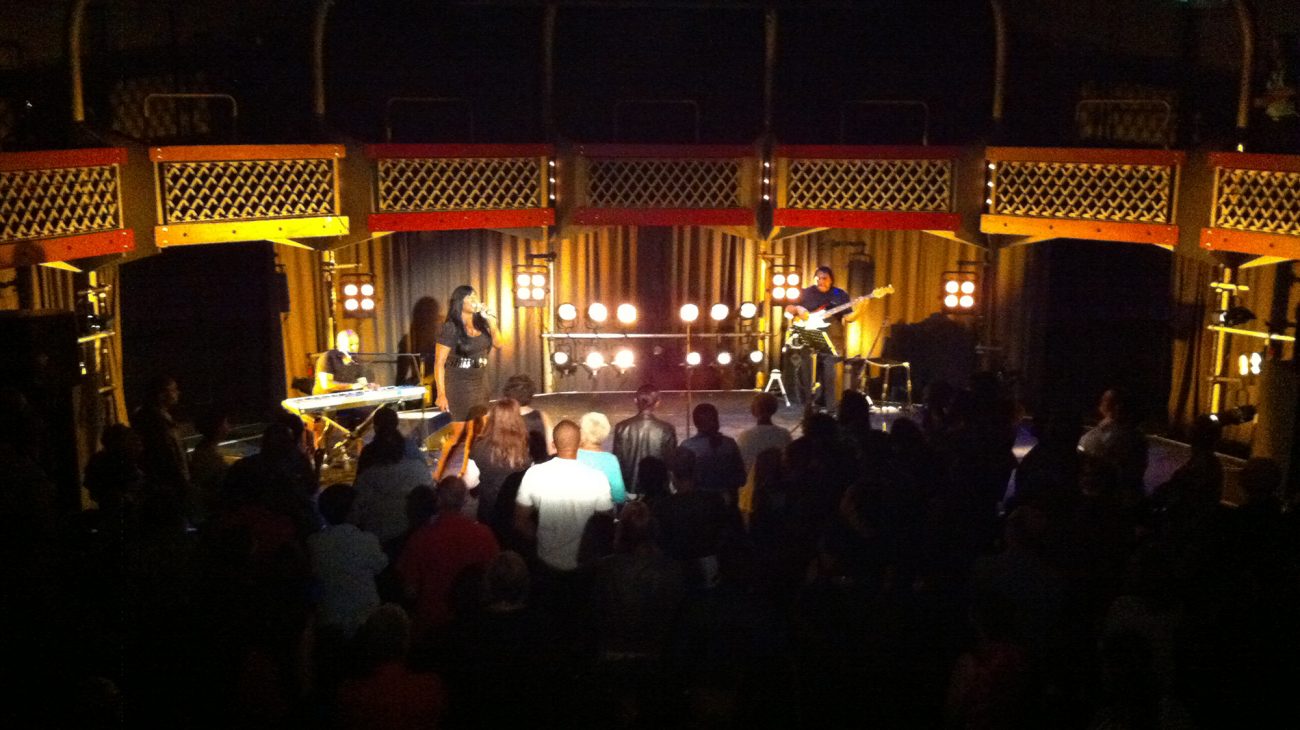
x=792 y=280
x=966 y=302
x=567 y=312
x=624 y=359
x=522 y=279
x=952 y=287
x=595 y=360
x=367 y=304
x=968 y=287
x=539 y=294
x=626 y=313
x=693 y=358
x=950 y=301
x=539 y=280
x=779 y=293
x=756 y=356
x=560 y=357
x=748 y=310
x=689 y=313
x=719 y=312
x=597 y=312
x=724 y=358
x=350 y=290
x=1243 y=365
x=523 y=293
x=367 y=290
x=778 y=280
x=350 y=305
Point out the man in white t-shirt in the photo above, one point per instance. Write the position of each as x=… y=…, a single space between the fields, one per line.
x=564 y=495
x=764 y=435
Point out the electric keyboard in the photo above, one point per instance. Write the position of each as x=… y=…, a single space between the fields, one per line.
x=338 y=400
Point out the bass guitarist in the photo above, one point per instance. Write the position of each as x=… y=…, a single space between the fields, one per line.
x=824 y=295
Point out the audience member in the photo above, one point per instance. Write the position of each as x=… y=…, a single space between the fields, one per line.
x=1118 y=439
x=390 y=696
x=345 y=562
x=643 y=435
x=208 y=465
x=380 y=507
x=438 y=553
x=718 y=464
x=163 y=459
x=764 y=434
x=521 y=389
x=558 y=500
x=595 y=428
x=500 y=451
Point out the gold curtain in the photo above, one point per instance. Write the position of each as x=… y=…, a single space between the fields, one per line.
x=303 y=328
x=1019 y=313
x=1191 y=351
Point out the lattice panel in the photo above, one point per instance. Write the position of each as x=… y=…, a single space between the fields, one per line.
x=198 y=192
x=442 y=184
x=49 y=203
x=1124 y=122
x=1262 y=201
x=1102 y=192
x=884 y=185
x=661 y=183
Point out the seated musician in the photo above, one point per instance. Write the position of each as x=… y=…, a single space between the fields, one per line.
x=337 y=370
x=823 y=294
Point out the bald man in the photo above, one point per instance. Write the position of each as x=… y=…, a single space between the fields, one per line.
x=564 y=495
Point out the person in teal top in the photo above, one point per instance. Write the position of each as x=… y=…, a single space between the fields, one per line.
x=595 y=428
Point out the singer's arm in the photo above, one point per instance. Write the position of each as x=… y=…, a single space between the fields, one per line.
x=439 y=375
x=494 y=329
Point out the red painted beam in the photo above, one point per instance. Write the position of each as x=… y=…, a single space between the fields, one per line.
x=861 y=152
x=457 y=151
x=55 y=159
x=458 y=220
x=1085 y=155
x=666 y=151
x=1250 y=161
x=663 y=216
x=65 y=248
x=873 y=220
x=246 y=152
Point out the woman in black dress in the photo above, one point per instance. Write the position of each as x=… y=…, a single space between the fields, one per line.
x=461 y=354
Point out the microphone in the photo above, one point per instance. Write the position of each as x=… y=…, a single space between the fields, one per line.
x=480 y=309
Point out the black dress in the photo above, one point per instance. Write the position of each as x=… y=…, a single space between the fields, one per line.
x=465 y=373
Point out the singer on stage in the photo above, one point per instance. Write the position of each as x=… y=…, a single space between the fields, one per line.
x=461 y=354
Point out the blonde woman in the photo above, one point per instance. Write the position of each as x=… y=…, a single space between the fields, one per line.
x=595 y=428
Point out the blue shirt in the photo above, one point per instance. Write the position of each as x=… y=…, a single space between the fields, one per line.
x=607 y=463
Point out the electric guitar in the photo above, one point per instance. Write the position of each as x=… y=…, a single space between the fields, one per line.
x=820 y=319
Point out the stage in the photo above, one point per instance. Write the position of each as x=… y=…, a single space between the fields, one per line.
x=1165 y=455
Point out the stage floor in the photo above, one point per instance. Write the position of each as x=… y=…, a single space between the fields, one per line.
x=733 y=407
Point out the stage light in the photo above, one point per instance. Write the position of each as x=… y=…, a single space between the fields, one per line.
x=719 y=312
x=693 y=358
x=756 y=356
x=624 y=360
x=567 y=312
x=531 y=282
x=689 y=313
x=778 y=279
x=358 y=294
x=792 y=280
x=748 y=310
x=560 y=357
x=1256 y=362
x=595 y=360
x=597 y=312
x=724 y=358
x=626 y=313
x=563 y=362
x=959 y=291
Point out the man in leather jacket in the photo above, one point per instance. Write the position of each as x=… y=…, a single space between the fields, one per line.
x=643 y=435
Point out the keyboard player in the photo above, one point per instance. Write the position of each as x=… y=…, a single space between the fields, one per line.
x=337 y=369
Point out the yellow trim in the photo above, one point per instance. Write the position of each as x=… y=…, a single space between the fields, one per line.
x=63 y=265
x=181 y=234
x=1251 y=333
